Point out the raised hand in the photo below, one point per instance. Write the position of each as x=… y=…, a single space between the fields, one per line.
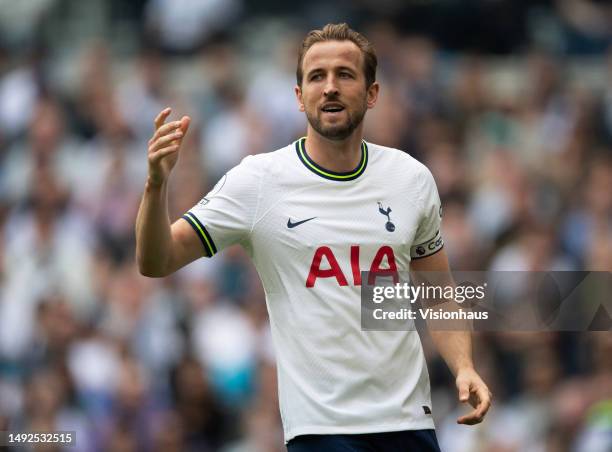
x=164 y=146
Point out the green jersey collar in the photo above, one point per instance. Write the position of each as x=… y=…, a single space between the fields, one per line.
x=328 y=174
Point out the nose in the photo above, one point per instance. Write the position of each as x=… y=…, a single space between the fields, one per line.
x=331 y=88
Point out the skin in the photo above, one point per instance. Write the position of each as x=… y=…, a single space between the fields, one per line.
x=455 y=347
x=333 y=73
x=161 y=248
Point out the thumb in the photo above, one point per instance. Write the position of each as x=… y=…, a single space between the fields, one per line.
x=464 y=391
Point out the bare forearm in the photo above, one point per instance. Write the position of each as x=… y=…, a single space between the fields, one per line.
x=455 y=347
x=153 y=237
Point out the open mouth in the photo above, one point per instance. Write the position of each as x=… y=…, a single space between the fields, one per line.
x=332 y=108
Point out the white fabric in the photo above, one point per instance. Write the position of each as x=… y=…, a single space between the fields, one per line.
x=332 y=376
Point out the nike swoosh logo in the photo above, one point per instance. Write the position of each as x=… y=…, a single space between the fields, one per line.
x=291 y=225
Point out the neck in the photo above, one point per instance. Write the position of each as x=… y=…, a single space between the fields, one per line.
x=339 y=156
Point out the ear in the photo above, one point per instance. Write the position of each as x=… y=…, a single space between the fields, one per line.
x=298 y=95
x=372 y=94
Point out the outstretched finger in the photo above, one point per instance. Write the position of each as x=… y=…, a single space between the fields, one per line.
x=174 y=138
x=164 y=130
x=158 y=155
x=161 y=117
x=185 y=121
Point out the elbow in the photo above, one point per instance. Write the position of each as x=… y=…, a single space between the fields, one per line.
x=150 y=273
x=149 y=270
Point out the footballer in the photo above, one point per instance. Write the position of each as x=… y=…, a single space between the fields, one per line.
x=312 y=216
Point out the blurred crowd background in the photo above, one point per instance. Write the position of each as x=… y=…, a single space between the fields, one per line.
x=508 y=102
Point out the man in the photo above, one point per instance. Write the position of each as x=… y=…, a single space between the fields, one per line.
x=312 y=216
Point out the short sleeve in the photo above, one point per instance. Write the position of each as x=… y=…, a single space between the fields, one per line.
x=225 y=216
x=428 y=238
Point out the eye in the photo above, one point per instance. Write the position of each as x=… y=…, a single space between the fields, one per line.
x=316 y=77
x=345 y=74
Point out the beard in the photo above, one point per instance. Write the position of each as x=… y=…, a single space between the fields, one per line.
x=341 y=130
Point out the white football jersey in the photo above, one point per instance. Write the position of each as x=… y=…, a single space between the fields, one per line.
x=310 y=232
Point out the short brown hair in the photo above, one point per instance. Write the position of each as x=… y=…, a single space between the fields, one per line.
x=340 y=32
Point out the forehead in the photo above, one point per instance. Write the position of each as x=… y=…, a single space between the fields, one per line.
x=329 y=54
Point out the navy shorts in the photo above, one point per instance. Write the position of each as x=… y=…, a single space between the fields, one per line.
x=404 y=441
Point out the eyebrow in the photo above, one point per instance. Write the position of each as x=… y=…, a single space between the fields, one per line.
x=319 y=69
x=314 y=71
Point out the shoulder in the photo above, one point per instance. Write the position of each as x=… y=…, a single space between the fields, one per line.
x=267 y=160
x=400 y=161
x=265 y=163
